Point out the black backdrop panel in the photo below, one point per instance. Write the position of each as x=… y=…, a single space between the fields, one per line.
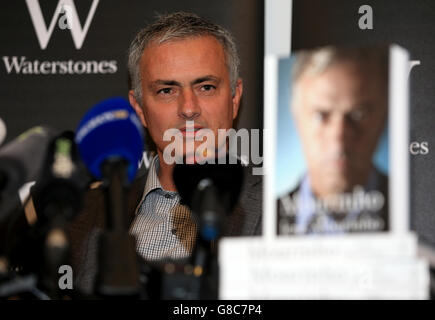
x=410 y=24
x=61 y=97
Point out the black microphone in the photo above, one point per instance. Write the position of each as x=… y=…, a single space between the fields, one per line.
x=20 y=162
x=59 y=191
x=110 y=142
x=57 y=197
x=211 y=190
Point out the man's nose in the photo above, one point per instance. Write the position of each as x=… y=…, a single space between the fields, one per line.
x=188 y=108
x=340 y=133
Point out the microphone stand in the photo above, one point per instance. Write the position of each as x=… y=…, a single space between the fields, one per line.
x=211 y=191
x=118 y=265
x=210 y=208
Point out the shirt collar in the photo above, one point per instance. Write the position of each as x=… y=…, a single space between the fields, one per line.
x=153 y=181
x=306 y=212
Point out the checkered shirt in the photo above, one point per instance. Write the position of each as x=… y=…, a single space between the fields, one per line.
x=163 y=228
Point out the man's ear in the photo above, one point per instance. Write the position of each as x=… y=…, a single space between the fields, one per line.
x=237 y=97
x=136 y=106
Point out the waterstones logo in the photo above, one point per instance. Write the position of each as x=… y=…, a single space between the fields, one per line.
x=66 y=17
x=20 y=65
x=65 y=10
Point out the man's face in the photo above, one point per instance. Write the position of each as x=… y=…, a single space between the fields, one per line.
x=185 y=80
x=340 y=114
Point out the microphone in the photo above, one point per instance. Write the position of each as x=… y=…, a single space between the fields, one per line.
x=211 y=190
x=20 y=162
x=57 y=197
x=110 y=130
x=110 y=139
x=59 y=191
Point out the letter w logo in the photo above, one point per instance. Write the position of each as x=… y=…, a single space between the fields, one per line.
x=43 y=33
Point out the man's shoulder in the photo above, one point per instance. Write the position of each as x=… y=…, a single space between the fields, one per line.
x=246 y=218
x=291 y=193
x=382 y=181
x=253 y=184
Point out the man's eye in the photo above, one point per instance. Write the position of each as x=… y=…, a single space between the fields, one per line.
x=356 y=115
x=321 y=116
x=207 y=87
x=165 y=91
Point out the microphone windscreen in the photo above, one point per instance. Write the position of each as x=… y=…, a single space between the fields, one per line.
x=22 y=158
x=111 y=129
x=227 y=179
x=63 y=180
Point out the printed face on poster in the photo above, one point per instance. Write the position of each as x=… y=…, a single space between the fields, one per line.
x=332 y=141
x=335 y=138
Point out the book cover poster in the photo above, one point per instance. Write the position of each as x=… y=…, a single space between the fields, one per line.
x=332 y=158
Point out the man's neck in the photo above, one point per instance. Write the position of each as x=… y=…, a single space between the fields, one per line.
x=323 y=192
x=165 y=174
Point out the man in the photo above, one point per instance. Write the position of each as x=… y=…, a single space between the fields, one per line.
x=339 y=104
x=182 y=68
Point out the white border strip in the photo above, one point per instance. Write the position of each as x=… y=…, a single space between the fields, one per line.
x=278 y=22
x=269 y=145
x=277 y=43
x=399 y=191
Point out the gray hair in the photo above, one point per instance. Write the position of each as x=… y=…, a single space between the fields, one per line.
x=316 y=61
x=176 y=26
